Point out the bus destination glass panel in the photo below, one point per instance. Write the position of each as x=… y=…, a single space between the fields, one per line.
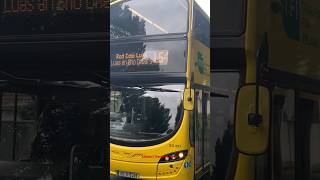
x=165 y=56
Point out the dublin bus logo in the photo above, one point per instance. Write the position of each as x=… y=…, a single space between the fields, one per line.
x=200 y=63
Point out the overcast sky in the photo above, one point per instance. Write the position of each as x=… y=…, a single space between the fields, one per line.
x=205 y=4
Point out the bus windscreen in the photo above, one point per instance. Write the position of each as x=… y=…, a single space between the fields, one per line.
x=30 y=17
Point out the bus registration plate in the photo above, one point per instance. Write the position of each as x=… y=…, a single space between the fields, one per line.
x=128 y=174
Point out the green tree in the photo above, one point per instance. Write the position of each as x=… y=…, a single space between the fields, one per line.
x=158 y=116
x=154 y=117
x=124 y=23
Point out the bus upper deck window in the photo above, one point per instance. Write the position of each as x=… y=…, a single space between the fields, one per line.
x=145 y=17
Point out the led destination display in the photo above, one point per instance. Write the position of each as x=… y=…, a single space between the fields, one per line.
x=20 y=6
x=29 y=17
x=148 y=58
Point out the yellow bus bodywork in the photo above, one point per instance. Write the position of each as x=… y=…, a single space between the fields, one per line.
x=298 y=56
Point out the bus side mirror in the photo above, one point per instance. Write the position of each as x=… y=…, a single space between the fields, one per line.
x=251 y=121
x=188 y=99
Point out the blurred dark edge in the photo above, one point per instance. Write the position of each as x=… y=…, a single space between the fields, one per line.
x=66 y=57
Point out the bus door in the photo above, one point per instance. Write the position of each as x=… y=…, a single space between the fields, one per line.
x=307 y=137
x=224 y=84
x=314 y=143
x=283 y=132
x=201 y=124
x=295 y=142
x=198 y=132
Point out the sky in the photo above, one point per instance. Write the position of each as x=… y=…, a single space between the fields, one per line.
x=205 y=5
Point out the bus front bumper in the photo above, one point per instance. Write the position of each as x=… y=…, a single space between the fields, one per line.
x=163 y=171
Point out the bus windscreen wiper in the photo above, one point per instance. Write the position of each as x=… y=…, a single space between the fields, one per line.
x=10 y=78
x=157 y=89
x=140 y=87
x=148 y=133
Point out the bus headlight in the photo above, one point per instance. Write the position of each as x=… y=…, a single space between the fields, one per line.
x=176 y=156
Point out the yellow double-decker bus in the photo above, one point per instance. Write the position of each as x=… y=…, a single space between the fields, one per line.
x=271 y=48
x=160 y=89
